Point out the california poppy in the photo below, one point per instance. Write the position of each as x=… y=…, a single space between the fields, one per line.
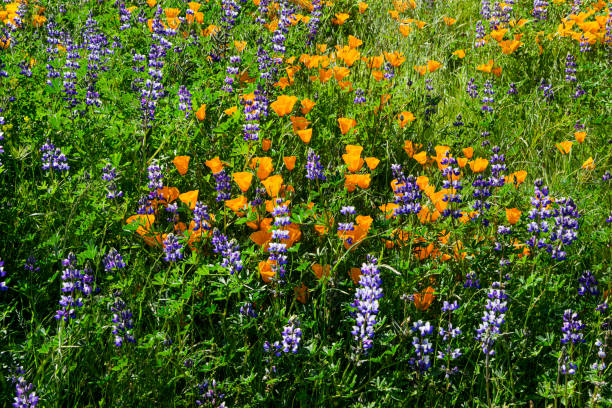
x=468 y=152
x=266 y=144
x=305 y=135
x=266 y=272
x=580 y=136
x=307 y=106
x=340 y=18
x=354 y=42
x=190 y=198
x=372 y=162
x=283 y=105
x=423 y=300
x=433 y=65
x=321 y=271
x=405 y=118
x=243 y=179
x=478 y=165
x=363 y=7
x=273 y=185
x=301 y=294
x=449 y=21
x=201 y=112
x=421 y=157
x=215 y=164
x=589 y=164
x=237 y=204
x=513 y=215
x=346 y=124
x=264 y=166
x=230 y=111
x=459 y=53
x=289 y=162
x=182 y=164
x=565 y=147
x=355 y=274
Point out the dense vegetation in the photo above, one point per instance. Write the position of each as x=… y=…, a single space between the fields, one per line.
x=292 y=203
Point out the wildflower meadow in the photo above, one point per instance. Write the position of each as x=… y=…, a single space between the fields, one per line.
x=305 y=203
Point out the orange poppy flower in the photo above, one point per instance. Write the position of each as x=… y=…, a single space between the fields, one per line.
x=264 y=166
x=346 y=124
x=388 y=209
x=580 y=136
x=421 y=69
x=449 y=21
x=243 y=179
x=376 y=62
x=513 y=215
x=151 y=3
x=340 y=18
x=356 y=180
x=307 y=106
x=468 y=152
x=143 y=221
x=305 y=135
x=509 y=46
x=372 y=162
x=462 y=161
x=240 y=45
x=266 y=144
x=273 y=185
x=395 y=58
x=405 y=118
x=486 y=67
x=589 y=164
x=410 y=148
x=422 y=182
x=354 y=42
x=459 y=53
x=517 y=178
x=182 y=164
x=266 y=272
x=201 y=112
x=230 y=111
x=299 y=123
x=168 y=194
x=405 y=29
x=215 y=165
x=363 y=7
x=289 y=162
x=423 y=300
x=478 y=165
x=355 y=274
x=237 y=204
x=190 y=198
x=498 y=35
x=565 y=147
x=321 y=271
x=301 y=294
x=421 y=157
x=433 y=65
x=283 y=105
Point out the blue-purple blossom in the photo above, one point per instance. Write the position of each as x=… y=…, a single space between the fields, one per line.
x=113 y=261
x=122 y=321
x=492 y=319
x=109 y=174
x=3 y=286
x=366 y=303
x=407 y=193
x=588 y=284
x=210 y=395
x=315 y=19
x=571 y=328
x=172 y=248
x=201 y=217
x=314 y=169
x=25 y=396
x=229 y=250
x=75 y=282
x=422 y=346
x=53 y=158
x=487 y=97
x=184 y=100
x=472 y=89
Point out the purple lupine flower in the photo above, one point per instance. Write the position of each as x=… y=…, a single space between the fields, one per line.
x=124 y=16
x=229 y=250
x=547 y=90
x=184 y=100
x=578 y=92
x=608 y=34
x=3 y=286
x=482 y=191
x=606 y=176
x=153 y=89
x=109 y=174
x=588 y=284
x=571 y=328
x=292 y=335
x=201 y=217
x=53 y=158
x=96 y=42
x=25 y=396
x=248 y=310
x=407 y=193
x=565 y=230
x=366 y=303
x=173 y=210
x=540 y=10
x=487 y=97
x=156 y=183
x=570 y=68
x=498 y=167
x=512 y=89
x=585 y=46
x=122 y=321
x=359 y=96
x=223 y=186
x=113 y=261
x=448 y=335
x=278 y=250
x=231 y=72
x=1 y=139
x=539 y=215
x=69 y=74
x=601 y=354
x=453 y=185
x=284 y=22
x=30 y=265
x=73 y=282
x=485 y=9
x=313 y=23
x=26 y=69
x=389 y=71
x=422 y=346
x=472 y=89
x=458 y=121
x=314 y=169
x=480 y=34
x=347 y=210
x=494 y=316
x=567 y=367
x=210 y=395
x=172 y=248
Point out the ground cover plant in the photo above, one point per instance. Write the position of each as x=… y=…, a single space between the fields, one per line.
x=305 y=203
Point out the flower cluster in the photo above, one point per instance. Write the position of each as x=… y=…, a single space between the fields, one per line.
x=448 y=335
x=278 y=250
x=53 y=158
x=73 y=282
x=223 y=186
x=122 y=321
x=407 y=193
x=487 y=97
x=184 y=100
x=113 y=261
x=588 y=284
x=172 y=248
x=453 y=183
x=314 y=169
x=210 y=395
x=109 y=174
x=422 y=346
x=25 y=396
x=3 y=286
x=229 y=250
x=493 y=318
x=366 y=303
x=201 y=217
x=571 y=328
x=315 y=19
x=292 y=337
